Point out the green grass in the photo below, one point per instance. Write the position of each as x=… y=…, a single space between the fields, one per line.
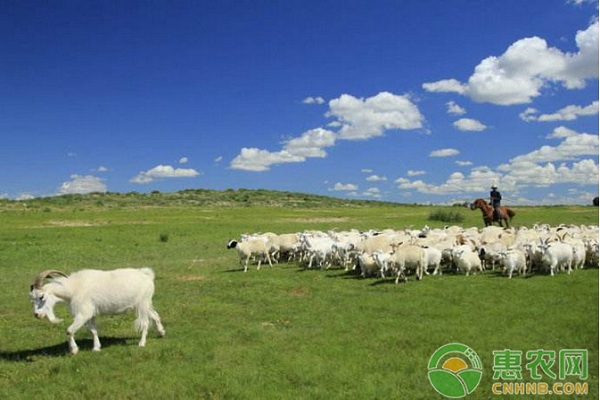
x=281 y=333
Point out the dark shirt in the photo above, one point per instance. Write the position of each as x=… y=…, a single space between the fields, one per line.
x=495 y=198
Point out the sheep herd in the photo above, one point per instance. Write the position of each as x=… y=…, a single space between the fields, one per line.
x=397 y=253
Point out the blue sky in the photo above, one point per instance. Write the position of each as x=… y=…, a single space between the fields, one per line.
x=415 y=101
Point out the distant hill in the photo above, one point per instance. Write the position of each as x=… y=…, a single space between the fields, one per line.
x=192 y=198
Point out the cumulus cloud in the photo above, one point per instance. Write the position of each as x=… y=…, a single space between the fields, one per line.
x=163 y=172
x=344 y=187
x=454 y=109
x=573 y=160
x=373 y=193
x=376 y=178
x=518 y=75
x=356 y=118
x=183 y=160
x=572 y=147
x=366 y=118
x=82 y=184
x=444 y=153
x=469 y=125
x=561 y=132
x=568 y=113
x=25 y=196
x=446 y=85
x=463 y=163
x=310 y=144
x=415 y=172
x=314 y=100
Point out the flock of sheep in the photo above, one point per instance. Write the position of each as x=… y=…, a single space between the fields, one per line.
x=539 y=249
x=543 y=249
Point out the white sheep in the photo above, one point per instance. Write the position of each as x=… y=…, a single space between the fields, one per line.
x=466 y=260
x=408 y=256
x=90 y=293
x=368 y=265
x=251 y=248
x=556 y=256
x=514 y=260
x=434 y=259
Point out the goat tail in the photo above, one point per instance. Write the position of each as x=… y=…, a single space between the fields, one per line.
x=148 y=271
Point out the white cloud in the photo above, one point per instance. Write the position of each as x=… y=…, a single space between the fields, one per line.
x=454 y=109
x=81 y=184
x=355 y=118
x=344 y=187
x=568 y=162
x=469 y=125
x=529 y=114
x=25 y=196
x=366 y=170
x=183 y=160
x=253 y=159
x=561 y=132
x=478 y=180
x=415 y=173
x=376 y=178
x=518 y=75
x=309 y=145
x=366 y=118
x=163 y=172
x=568 y=113
x=463 y=163
x=314 y=100
x=573 y=147
x=446 y=85
x=444 y=153
x=373 y=192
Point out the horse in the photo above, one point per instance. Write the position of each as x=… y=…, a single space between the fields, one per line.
x=487 y=211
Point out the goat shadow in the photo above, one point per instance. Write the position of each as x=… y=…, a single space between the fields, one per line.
x=59 y=350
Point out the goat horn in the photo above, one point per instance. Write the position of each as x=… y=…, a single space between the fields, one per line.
x=37 y=283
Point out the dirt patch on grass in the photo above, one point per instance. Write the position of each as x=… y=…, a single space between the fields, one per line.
x=75 y=224
x=318 y=220
x=300 y=292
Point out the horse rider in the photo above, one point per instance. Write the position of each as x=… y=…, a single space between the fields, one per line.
x=495 y=198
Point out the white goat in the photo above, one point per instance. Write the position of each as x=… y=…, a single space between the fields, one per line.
x=434 y=259
x=556 y=256
x=250 y=248
x=408 y=256
x=514 y=260
x=467 y=260
x=90 y=293
x=368 y=265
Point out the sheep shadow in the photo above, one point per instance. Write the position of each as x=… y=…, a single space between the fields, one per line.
x=59 y=350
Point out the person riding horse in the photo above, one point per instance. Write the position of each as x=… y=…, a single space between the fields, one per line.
x=495 y=198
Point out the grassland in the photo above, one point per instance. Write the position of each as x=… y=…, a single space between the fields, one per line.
x=281 y=333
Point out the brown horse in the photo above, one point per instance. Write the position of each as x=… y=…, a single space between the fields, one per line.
x=487 y=211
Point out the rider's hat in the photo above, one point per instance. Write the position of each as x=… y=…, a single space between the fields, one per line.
x=494 y=186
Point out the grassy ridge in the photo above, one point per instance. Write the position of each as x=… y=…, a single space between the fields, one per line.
x=283 y=333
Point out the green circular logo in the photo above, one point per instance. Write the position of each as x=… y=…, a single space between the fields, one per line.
x=454 y=370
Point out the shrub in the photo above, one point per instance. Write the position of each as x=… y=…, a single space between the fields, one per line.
x=446 y=216
x=163 y=237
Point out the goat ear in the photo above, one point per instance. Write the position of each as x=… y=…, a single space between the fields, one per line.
x=31 y=288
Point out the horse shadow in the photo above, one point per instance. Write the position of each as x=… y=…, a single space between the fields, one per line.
x=59 y=350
